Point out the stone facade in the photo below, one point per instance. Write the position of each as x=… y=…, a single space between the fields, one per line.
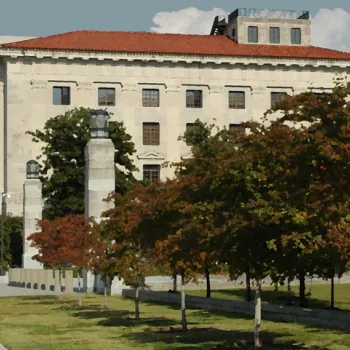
x=27 y=79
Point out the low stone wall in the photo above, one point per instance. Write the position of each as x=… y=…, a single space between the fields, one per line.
x=41 y=279
x=317 y=317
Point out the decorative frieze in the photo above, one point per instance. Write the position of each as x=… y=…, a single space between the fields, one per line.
x=151 y=156
x=173 y=88
x=38 y=84
x=216 y=89
x=129 y=87
x=84 y=85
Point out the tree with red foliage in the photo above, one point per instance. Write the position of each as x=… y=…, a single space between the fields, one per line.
x=66 y=243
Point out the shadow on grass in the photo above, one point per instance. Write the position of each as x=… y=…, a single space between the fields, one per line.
x=121 y=318
x=211 y=338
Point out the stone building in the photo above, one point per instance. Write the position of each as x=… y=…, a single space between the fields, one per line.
x=157 y=84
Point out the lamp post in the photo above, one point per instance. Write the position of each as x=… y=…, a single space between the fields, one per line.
x=32 y=170
x=99 y=124
x=3 y=211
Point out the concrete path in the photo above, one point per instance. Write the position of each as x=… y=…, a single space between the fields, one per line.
x=6 y=291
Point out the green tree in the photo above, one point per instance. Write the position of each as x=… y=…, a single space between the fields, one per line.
x=64 y=138
x=13 y=241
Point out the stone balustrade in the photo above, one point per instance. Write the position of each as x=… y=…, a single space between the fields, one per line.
x=48 y=280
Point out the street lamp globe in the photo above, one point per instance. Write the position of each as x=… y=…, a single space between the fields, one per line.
x=33 y=170
x=99 y=124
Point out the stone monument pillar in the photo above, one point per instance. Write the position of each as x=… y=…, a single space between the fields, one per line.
x=32 y=211
x=99 y=176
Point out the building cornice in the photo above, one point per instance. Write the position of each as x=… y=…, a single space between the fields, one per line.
x=148 y=58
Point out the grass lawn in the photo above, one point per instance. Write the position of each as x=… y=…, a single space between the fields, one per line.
x=44 y=323
x=319 y=297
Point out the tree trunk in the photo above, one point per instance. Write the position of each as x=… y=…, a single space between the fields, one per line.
x=248 y=287
x=105 y=297
x=332 y=292
x=302 y=298
x=183 y=304
x=288 y=286
x=60 y=284
x=137 y=303
x=207 y=276
x=174 y=282
x=275 y=287
x=80 y=298
x=257 y=316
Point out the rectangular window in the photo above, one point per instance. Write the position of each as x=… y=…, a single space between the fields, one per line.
x=151 y=173
x=194 y=99
x=277 y=97
x=253 y=34
x=274 y=35
x=320 y=95
x=151 y=134
x=106 y=97
x=150 y=98
x=236 y=99
x=236 y=130
x=296 y=36
x=61 y=95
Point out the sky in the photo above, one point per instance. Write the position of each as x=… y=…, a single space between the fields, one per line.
x=330 y=22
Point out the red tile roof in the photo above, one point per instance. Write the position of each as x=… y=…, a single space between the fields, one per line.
x=143 y=42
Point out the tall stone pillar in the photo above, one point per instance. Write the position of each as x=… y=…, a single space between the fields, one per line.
x=32 y=211
x=99 y=176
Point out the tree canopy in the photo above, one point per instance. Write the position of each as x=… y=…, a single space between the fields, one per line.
x=63 y=140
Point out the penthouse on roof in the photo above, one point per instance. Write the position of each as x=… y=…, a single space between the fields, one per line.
x=262 y=26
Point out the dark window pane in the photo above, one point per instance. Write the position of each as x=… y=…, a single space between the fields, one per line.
x=194 y=99
x=150 y=98
x=106 y=97
x=236 y=130
x=277 y=97
x=253 y=34
x=151 y=173
x=274 y=35
x=321 y=95
x=151 y=133
x=61 y=95
x=296 y=36
x=236 y=99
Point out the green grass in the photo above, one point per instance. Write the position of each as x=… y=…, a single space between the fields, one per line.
x=44 y=323
x=319 y=295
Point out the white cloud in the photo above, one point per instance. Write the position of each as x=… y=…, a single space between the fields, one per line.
x=330 y=28
x=186 y=21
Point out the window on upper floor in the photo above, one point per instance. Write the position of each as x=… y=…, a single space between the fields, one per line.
x=106 y=97
x=274 y=35
x=61 y=95
x=151 y=173
x=321 y=95
x=150 y=98
x=236 y=130
x=253 y=34
x=277 y=97
x=236 y=99
x=296 y=36
x=151 y=134
x=194 y=98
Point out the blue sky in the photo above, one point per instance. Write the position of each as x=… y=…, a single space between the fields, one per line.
x=45 y=17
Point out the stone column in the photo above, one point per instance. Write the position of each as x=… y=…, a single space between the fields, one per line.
x=32 y=211
x=99 y=183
